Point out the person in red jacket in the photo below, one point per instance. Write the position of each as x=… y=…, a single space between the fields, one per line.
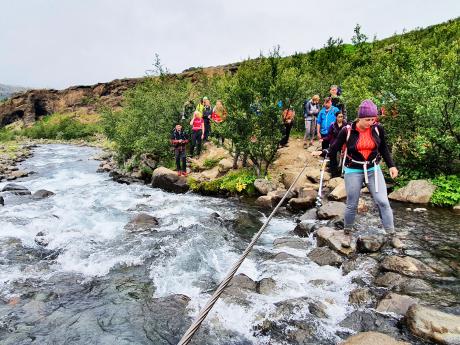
x=179 y=140
x=365 y=147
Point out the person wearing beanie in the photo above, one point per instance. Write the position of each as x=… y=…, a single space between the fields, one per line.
x=366 y=146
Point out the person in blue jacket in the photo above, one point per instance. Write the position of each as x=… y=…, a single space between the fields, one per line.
x=326 y=117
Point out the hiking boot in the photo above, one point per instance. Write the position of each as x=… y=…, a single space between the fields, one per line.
x=179 y=173
x=184 y=173
x=348 y=232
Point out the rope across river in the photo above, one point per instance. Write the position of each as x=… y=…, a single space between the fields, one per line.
x=207 y=308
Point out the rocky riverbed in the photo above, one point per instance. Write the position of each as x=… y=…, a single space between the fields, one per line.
x=99 y=262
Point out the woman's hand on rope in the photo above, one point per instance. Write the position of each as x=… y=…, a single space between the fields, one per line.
x=393 y=172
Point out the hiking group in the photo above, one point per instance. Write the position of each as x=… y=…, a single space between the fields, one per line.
x=354 y=149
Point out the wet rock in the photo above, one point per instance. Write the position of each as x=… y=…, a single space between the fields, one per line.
x=333 y=239
x=394 y=303
x=168 y=180
x=19 y=173
x=40 y=239
x=362 y=263
x=283 y=257
x=318 y=309
x=374 y=338
x=166 y=319
x=265 y=201
x=142 y=222
x=331 y=209
x=339 y=192
x=412 y=286
x=290 y=242
x=397 y=243
x=309 y=215
x=321 y=283
x=368 y=320
x=431 y=324
x=407 y=266
x=416 y=191
x=42 y=194
x=389 y=280
x=266 y=286
x=264 y=186
x=361 y=297
x=278 y=194
x=302 y=204
x=370 y=243
x=238 y=289
x=334 y=182
x=16 y=189
x=304 y=228
x=2 y=201
x=246 y=224
x=325 y=256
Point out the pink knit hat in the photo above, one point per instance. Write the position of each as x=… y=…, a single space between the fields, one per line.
x=367 y=108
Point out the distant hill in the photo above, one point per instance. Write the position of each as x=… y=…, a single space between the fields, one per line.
x=8 y=90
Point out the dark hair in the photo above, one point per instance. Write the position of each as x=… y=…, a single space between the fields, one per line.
x=327 y=99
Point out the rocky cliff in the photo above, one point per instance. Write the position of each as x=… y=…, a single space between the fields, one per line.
x=34 y=104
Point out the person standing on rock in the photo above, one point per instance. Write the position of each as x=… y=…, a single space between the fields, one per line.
x=333 y=133
x=207 y=115
x=365 y=147
x=197 y=124
x=288 y=121
x=326 y=117
x=179 y=140
x=310 y=113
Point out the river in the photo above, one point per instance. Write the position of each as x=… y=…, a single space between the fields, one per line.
x=91 y=281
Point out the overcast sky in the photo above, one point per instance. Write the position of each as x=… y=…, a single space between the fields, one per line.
x=59 y=43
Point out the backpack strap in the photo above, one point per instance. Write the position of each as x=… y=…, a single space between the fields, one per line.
x=348 y=127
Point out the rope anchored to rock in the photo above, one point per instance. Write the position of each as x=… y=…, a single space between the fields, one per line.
x=208 y=306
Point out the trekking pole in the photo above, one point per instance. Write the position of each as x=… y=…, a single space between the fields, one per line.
x=220 y=289
x=319 y=203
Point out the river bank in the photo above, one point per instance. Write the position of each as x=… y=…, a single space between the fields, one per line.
x=381 y=282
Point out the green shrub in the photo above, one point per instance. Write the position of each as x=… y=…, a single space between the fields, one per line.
x=6 y=134
x=210 y=163
x=236 y=182
x=60 y=127
x=447 y=193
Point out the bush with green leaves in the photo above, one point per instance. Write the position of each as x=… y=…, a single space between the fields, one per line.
x=149 y=114
x=447 y=191
x=235 y=182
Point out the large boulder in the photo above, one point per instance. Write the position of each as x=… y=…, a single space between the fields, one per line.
x=302 y=204
x=225 y=165
x=339 y=192
x=369 y=320
x=168 y=180
x=374 y=338
x=210 y=174
x=325 y=256
x=314 y=174
x=16 y=189
x=407 y=266
x=416 y=191
x=334 y=182
x=361 y=263
x=442 y=328
x=331 y=209
x=142 y=222
x=265 y=201
x=370 y=243
x=304 y=228
x=264 y=186
x=290 y=242
x=278 y=194
x=42 y=194
x=394 y=303
x=333 y=239
x=288 y=177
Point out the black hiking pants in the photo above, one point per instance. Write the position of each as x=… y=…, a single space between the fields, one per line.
x=180 y=158
x=196 y=141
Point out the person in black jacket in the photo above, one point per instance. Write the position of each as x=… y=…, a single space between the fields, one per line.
x=179 y=140
x=365 y=147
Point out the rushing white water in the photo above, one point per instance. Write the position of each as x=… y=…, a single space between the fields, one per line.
x=85 y=221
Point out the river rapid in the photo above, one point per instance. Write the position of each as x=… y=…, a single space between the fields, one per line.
x=90 y=281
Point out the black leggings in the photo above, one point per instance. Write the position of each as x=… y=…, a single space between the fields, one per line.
x=180 y=158
x=196 y=141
